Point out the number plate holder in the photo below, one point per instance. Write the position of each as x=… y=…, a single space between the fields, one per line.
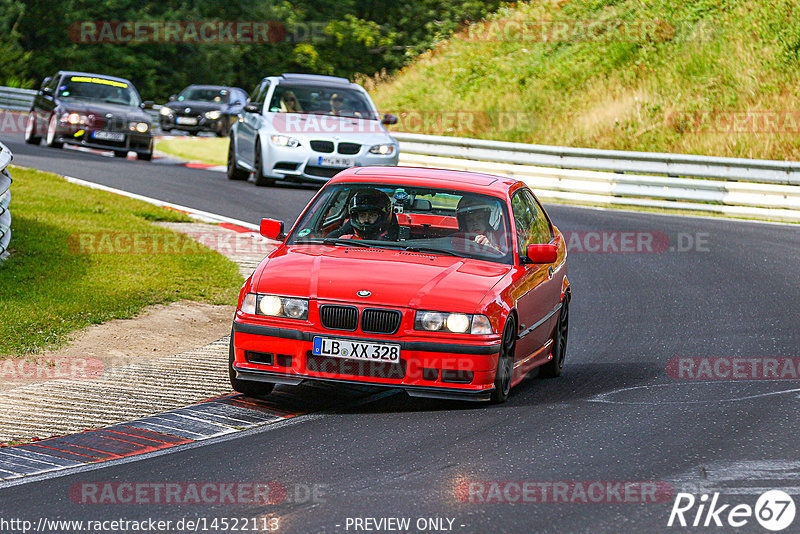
x=356 y=349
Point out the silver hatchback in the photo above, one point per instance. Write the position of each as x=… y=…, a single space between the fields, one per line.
x=308 y=128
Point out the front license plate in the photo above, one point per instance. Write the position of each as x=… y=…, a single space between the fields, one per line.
x=332 y=161
x=356 y=350
x=108 y=136
x=186 y=120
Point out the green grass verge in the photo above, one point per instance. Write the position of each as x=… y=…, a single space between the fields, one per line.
x=211 y=150
x=714 y=77
x=67 y=269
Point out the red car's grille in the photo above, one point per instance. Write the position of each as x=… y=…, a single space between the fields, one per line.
x=380 y=321
x=341 y=366
x=338 y=317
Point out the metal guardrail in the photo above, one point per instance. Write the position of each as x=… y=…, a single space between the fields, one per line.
x=741 y=169
x=16 y=99
x=5 y=200
x=762 y=189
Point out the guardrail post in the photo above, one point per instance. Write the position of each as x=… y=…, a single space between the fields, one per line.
x=5 y=200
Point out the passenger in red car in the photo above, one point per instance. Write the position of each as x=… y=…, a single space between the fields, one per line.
x=371 y=217
x=474 y=224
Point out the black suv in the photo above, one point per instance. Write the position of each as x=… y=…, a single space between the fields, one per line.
x=91 y=110
x=203 y=108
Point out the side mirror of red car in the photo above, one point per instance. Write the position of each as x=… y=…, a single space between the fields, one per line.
x=547 y=253
x=272 y=229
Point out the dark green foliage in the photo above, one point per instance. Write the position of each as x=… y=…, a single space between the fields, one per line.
x=347 y=37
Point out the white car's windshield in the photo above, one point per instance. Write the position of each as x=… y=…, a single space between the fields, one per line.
x=322 y=100
x=421 y=219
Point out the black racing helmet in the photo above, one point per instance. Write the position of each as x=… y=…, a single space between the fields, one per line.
x=470 y=205
x=366 y=201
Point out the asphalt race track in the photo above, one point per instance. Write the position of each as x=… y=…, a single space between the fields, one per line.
x=194 y=188
x=624 y=410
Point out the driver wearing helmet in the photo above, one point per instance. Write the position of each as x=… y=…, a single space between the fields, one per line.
x=474 y=224
x=371 y=217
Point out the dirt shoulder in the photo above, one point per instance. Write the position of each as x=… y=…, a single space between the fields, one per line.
x=160 y=331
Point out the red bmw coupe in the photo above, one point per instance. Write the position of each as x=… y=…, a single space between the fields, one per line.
x=446 y=284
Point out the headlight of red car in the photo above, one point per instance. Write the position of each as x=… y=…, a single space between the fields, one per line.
x=275 y=306
x=458 y=323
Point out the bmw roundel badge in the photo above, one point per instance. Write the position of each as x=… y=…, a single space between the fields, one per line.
x=364 y=293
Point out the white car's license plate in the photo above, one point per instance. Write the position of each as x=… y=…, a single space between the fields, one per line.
x=108 y=136
x=356 y=350
x=333 y=161
x=186 y=120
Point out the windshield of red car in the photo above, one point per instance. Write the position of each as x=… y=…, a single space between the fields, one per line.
x=431 y=220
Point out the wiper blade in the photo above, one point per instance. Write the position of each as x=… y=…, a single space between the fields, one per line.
x=433 y=250
x=333 y=241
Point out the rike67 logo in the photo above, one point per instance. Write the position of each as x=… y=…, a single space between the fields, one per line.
x=774 y=510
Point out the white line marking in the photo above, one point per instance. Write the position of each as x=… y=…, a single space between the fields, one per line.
x=604 y=397
x=194 y=213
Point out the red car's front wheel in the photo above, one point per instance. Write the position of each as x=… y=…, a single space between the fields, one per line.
x=505 y=362
x=553 y=368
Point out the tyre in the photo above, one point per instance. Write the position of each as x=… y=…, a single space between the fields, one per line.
x=251 y=389
x=233 y=171
x=50 y=140
x=258 y=174
x=120 y=153
x=505 y=362
x=144 y=156
x=553 y=368
x=30 y=130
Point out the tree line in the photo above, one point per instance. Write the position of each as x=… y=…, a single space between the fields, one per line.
x=164 y=46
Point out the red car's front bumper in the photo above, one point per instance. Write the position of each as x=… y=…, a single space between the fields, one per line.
x=429 y=367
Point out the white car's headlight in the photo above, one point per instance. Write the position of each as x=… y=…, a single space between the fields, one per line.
x=140 y=127
x=213 y=114
x=285 y=140
x=459 y=323
x=165 y=111
x=383 y=150
x=275 y=306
